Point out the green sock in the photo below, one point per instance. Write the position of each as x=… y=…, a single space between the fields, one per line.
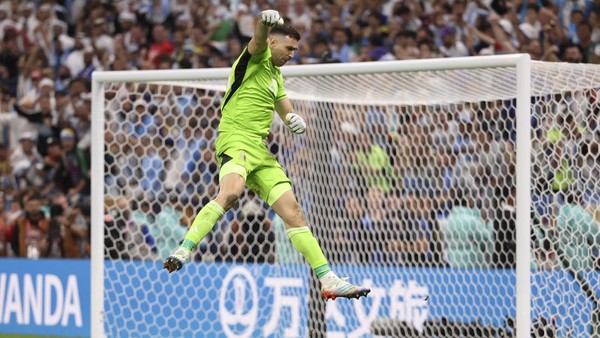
x=307 y=245
x=203 y=224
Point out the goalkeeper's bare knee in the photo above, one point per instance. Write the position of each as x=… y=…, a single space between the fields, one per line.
x=230 y=190
x=293 y=216
x=290 y=211
x=227 y=199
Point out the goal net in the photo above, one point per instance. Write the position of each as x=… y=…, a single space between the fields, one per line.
x=407 y=175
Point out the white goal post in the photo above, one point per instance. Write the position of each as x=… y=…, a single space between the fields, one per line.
x=333 y=84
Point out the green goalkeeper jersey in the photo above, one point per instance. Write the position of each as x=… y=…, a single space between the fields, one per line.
x=253 y=87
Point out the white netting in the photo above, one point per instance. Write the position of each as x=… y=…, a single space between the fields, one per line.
x=407 y=179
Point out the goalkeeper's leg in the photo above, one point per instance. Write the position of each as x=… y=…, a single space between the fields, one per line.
x=332 y=286
x=231 y=187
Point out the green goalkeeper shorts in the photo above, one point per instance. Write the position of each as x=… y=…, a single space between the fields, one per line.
x=248 y=156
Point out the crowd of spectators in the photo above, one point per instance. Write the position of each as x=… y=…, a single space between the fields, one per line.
x=49 y=50
x=438 y=187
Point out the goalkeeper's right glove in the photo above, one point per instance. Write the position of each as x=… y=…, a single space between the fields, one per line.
x=271 y=17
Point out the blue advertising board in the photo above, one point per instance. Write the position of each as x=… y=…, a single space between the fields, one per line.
x=45 y=297
x=488 y=297
x=51 y=297
x=217 y=300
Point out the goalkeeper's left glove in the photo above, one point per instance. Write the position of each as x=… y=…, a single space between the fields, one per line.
x=296 y=123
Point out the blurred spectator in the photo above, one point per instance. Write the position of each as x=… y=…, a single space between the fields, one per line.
x=405 y=46
x=160 y=45
x=13 y=123
x=504 y=227
x=29 y=234
x=72 y=223
x=413 y=230
x=589 y=47
x=6 y=178
x=142 y=213
x=89 y=66
x=578 y=234
x=572 y=53
x=483 y=39
x=451 y=47
x=169 y=227
x=407 y=19
x=467 y=237
x=153 y=168
x=300 y=14
x=80 y=231
x=320 y=53
x=372 y=163
x=115 y=237
x=73 y=173
x=130 y=239
x=42 y=119
x=245 y=19
x=353 y=243
x=9 y=59
x=250 y=239
x=379 y=231
x=27 y=163
x=56 y=232
x=4 y=227
x=52 y=163
x=141 y=121
x=101 y=41
x=374 y=50
x=74 y=60
x=588 y=162
x=340 y=49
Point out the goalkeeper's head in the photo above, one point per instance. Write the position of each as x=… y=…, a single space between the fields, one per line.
x=283 y=42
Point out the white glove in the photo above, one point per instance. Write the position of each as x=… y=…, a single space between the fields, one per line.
x=296 y=123
x=271 y=17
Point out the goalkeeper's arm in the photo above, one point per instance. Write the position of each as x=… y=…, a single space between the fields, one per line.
x=286 y=112
x=258 y=43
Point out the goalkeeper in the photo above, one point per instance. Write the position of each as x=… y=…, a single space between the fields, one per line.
x=255 y=89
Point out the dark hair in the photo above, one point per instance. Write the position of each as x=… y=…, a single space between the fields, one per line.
x=185 y=64
x=286 y=30
x=343 y=30
x=34 y=196
x=579 y=11
x=407 y=34
x=319 y=41
x=585 y=24
x=401 y=10
x=573 y=45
